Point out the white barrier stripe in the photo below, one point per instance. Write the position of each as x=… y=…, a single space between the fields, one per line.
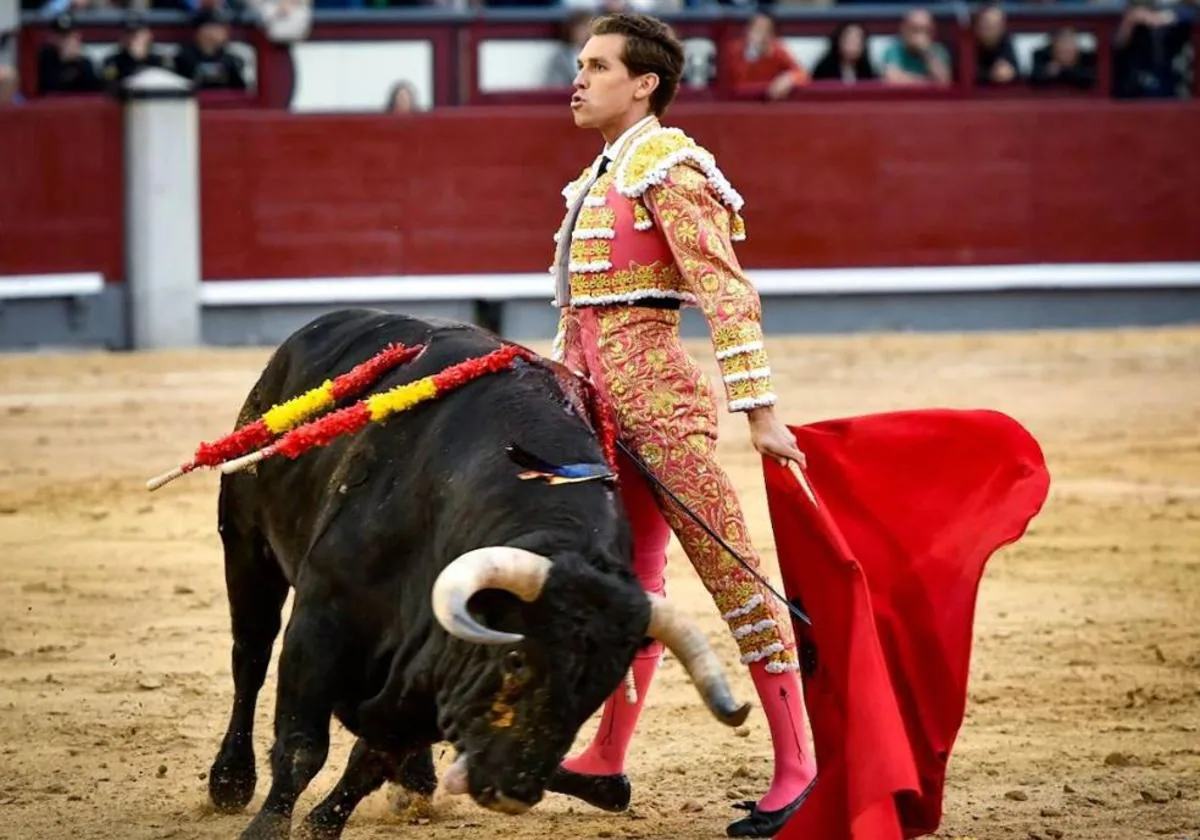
x=29 y=286
x=769 y=282
x=536 y=285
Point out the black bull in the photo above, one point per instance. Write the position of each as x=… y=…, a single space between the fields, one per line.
x=438 y=597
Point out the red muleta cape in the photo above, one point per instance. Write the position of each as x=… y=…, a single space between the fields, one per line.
x=909 y=507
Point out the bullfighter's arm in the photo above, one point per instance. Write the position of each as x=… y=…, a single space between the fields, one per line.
x=700 y=229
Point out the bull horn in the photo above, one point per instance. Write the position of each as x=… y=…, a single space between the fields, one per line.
x=689 y=646
x=515 y=570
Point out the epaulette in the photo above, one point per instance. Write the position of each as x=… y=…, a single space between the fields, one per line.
x=651 y=156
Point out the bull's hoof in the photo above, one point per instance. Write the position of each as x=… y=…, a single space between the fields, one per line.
x=321 y=824
x=608 y=793
x=268 y=826
x=231 y=785
x=417 y=774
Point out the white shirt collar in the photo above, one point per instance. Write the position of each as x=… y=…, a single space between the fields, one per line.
x=613 y=150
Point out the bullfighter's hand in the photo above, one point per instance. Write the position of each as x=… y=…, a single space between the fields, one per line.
x=771 y=437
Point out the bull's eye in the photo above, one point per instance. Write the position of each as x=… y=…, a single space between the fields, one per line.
x=514 y=661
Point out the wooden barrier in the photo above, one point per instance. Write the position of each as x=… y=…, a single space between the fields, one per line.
x=839 y=185
x=62 y=188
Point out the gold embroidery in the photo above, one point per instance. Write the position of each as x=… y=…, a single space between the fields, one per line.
x=747 y=389
x=689 y=178
x=654 y=280
x=600 y=188
x=588 y=251
x=641 y=217
x=740 y=363
x=596 y=218
x=649 y=378
x=650 y=156
x=654 y=155
x=699 y=227
x=737 y=334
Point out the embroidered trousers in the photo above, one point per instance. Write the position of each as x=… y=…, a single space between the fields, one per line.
x=666 y=413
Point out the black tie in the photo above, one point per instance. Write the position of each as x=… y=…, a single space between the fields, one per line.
x=603 y=165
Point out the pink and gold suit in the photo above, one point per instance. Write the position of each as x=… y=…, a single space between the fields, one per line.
x=656 y=227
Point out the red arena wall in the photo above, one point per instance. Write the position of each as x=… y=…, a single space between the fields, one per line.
x=872 y=184
x=477 y=190
x=62 y=189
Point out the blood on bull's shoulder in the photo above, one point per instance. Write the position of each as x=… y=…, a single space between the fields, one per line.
x=440 y=595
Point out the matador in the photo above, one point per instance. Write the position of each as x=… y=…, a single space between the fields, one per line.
x=649 y=228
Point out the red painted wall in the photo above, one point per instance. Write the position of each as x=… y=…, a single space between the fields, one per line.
x=872 y=184
x=62 y=188
x=302 y=196
x=477 y=190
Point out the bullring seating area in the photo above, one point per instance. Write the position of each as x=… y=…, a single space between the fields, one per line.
x=360 y=59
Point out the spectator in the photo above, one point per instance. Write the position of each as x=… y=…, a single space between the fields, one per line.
x=1061 y=64
x=605 y=7
x=54 y=8
x=136 y=53
x=995 y=58
x=915 y=58
x=62 y=66
x=574 y=34
x=402 y=99
x=510 y=4
x=9 y=92
x=1147 y=44
x=284 y=21
x=846 y=59
x=760 y=64
x=229 y=7
x=207 y=60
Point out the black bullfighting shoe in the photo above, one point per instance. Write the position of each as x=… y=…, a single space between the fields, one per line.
x=608 y=793
x=766 y=823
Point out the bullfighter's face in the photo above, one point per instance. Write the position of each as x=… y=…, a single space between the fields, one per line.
x=607 y=96
x=540 y=644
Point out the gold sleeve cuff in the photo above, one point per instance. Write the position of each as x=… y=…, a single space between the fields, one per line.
x=745 y=370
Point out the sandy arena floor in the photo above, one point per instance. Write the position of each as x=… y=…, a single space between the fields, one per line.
x=1084 y=714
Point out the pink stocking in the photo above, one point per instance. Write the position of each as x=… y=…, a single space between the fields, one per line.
x=606 y=754
x=783 y=705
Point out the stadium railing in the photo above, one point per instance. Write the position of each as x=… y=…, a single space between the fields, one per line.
x=492 y=56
